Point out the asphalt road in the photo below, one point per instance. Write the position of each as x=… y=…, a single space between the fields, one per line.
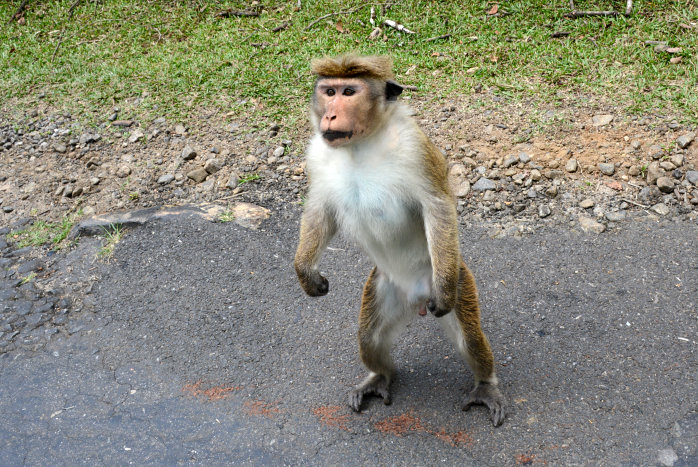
x=200 y=348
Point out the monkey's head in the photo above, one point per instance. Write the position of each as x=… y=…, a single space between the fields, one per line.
x=351 y=97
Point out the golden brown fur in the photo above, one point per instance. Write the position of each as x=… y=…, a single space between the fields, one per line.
x=353 y=66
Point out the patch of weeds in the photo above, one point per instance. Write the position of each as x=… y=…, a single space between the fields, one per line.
x=133 y=196
x=112 y=236
x=28 y=278
x=248 y=178
x=226 y=216
x=42 y=232
x=643 y=170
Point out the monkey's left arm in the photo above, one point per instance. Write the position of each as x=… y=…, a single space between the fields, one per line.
x=317 y=228
x=441 y=227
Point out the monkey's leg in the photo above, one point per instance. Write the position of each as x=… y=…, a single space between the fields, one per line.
x=463 y=326
x=380 y=320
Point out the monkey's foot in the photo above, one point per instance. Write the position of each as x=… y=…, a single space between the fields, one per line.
x=488 y=395
x=374 y=384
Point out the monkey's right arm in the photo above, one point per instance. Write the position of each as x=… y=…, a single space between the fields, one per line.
x=317 y=229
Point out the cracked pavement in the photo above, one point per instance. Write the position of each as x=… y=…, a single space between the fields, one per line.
x=197 y=346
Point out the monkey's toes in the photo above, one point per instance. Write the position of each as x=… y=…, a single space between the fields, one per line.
x=489 y=396
x=376 y=385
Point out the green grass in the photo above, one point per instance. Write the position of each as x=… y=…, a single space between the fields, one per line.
x=111 y=237
x=175 y=58
x=226 y=216
x=41 y=232
x=248 y=178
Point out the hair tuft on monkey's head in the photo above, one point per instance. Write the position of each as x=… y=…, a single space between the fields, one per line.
x=353 y=66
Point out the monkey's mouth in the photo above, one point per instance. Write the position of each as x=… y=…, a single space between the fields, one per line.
x=332 y=135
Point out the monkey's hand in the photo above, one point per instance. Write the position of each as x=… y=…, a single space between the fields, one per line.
x=313 y=283
x=488 y=395
x=438 y=308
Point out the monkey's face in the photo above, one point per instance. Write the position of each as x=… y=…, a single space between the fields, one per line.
x=345 y=109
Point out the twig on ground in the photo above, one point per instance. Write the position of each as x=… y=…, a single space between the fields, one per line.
x=398 y=26
x=281 y=27
x=71 y=10
x=372 y=19
x=18 y=14
x=445 y=36
x=635 y=203
x=409 y=87
x=230 y=12
x=334 y=13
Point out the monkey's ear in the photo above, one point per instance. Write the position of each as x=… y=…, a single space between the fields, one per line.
x=392 y=90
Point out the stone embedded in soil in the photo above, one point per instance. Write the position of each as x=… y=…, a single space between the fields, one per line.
x=590 y=225
x=602 y=120
x=188 y=153
x=198 y=175
x=87 y=138
x=587 y=203
x=544 y=211
x=213 y=165
x=233 y=181
x=677 y=160
x=180 y=130
x=279 y=151
x=661 y=209
x=511 y=160
x=692 y=177
x=615 y=216
x=655 y=151
x=524 y=158
x=165 y=179
x=654 y=171
x=135 y=136
x=60 y=147
x=571 y=165
x=122 y=123
x=684 y=140
x=484 y=184
x=607 y=168
x=123 y=171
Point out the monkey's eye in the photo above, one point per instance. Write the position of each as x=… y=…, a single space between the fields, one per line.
x=349 y=92
x=330 y=92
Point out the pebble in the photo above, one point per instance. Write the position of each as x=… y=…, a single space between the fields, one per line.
x=524 y=158
x=180 y=130
x=607 y=169
x=661 y=209
x=233 y=180
x=123 y=171
x=667 y=457
x=188 y=153
x=601 y=120
x=655 y=151
x=587 y=203
x=677 y=160
x=198 y=175
x=615 y=216
x=544 y=211
x=510 y=160
x=87 y=138
x=279 y=151
x=122 y=123
x=571 y=165
x=213 y=165
x=135 y=136
x=653 y=173
x=165 y=179
x=535 y=175
x=692 y=177
x=484 y=184
x=590 y=225
x=60 y=147
x=665 y=184
x=684 y=140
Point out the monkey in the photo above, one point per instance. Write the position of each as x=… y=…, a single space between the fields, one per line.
x=374 y=176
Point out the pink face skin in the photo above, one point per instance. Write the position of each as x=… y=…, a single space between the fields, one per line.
x=345 y=109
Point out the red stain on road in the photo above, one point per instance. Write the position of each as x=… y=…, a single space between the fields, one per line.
x=265 y=409
x=327 y=415
x=212 y=394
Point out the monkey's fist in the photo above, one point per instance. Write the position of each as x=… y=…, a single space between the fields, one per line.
x=436 y=310
x=314 y=284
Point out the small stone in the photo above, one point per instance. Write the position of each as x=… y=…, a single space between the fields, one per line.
x=233 y=181
x=76 y=192
x=667 y=165
x=87 y=138
x=601 y=120
x=587 y=203
x=606 y=168
x=123 y=171
x=571 y=165
x=634 y=170
x=532 y=193
x=665 y=184
x=198 y=175
x=535 y=175
x=684 y=140
x=615 y=216
x=180 y=130
x=135 y=136
x=551 y=191
x=590 y=225
x=553 y=174
x=122 y=123
x=692 y=177
x=59 y=190
x=635 y=144
x=554 y=164
x=159 y=121
x=677 y=160
x=510 y=160
x=673 y=50
x=544 y=211
x=188 y=153
x=60 y=147
x=661 y=209
x=165 y=179
x=213 y=165
x=653 y=173
x=655 y=151
x=94 y=181
x=8 y=209
x=524 y=158
x=484 y=184
x=461 y=188
x=279 y=151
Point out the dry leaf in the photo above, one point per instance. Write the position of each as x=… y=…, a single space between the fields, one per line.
x=675 y=60
x=493 y=58
x=340 y=27
x=472 y=70
x=494 y=9
x=615 y=185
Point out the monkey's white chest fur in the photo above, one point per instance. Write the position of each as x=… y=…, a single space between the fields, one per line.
x=372 y=192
